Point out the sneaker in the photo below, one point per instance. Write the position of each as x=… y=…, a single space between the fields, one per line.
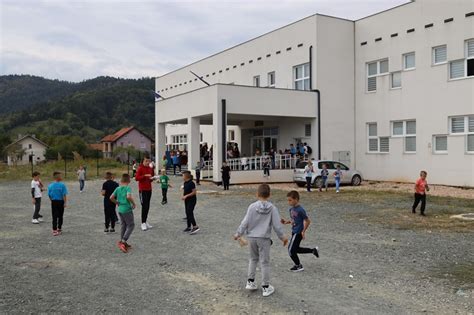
x=413 y=211
x=148 y=226
x=144 y=228
x=40 y=216
x=106 y=230
x=422 y=214
x=268 y=290
x=112 y=230
x=337 y=191
x=35 y=221
x=40 y=219
x=195 y=230
x=122 y=247
x=316 y=251
x=60 y=231
x=187 y=230
x=55 y=233
x=251 y=285
x=296 y=268
x=127 y=245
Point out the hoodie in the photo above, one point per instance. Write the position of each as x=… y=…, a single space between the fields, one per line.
x=260 y=218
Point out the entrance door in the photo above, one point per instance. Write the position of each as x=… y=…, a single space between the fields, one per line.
x=257 y=145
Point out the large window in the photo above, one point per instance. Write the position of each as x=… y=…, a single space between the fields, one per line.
x=301 y=77
x=463 y=68
x=376 y=144
x=271 y=79
x=375 y=69
x=439 y=55
x=407 y=130
x=463 y=125
x=409 y=61
x=178 y=142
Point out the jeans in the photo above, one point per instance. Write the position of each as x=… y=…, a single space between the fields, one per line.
x=294 y=248
x=260 y=252
x=36 y=214
x=338 y=183
x=189 y=206
x=324 y=183
x=308 y=183
x=145 y=197
x=418 y=198
x=82 y=183
x=128 y=225
x=266 y=171
x=57 y=211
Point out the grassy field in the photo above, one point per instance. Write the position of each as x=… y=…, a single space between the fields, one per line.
x=68 y=168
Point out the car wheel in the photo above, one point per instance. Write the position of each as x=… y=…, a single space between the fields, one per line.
x=356 y=180
x=318 y=182
x=301 y=184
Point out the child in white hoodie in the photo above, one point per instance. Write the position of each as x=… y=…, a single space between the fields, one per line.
x=261 y=216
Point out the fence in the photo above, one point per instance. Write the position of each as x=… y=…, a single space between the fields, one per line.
x=253 y=163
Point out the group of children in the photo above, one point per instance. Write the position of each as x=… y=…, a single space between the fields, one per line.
x=324 y=182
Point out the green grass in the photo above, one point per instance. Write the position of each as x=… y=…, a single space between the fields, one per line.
x=23 y=172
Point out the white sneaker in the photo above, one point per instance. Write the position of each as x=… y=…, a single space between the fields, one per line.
x=35 y=221
x=337 y=191
x=40 y=219
x=148 y=226
x=251 y=285
x=144 y=228
x=268 y=291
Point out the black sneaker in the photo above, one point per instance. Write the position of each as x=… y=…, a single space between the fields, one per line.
x=187 y=230
x=422 y=214
x=106 y=230
x=296 y=268
x=112 y=230
x=316 y=252
x=413 y=211
x=195 y=230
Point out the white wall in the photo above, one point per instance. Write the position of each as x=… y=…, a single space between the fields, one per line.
x=37 y=149
x=427 y=94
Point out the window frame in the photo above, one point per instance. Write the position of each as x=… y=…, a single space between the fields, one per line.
x=404 y=133
x=369 y=137
x=404 y=61
x=269 y=77
x=377 y=74
x=465 y=125
x=391 y=80
x=256 y=81
x=466 y=143
x=464 y=60
x=305 y=76
x=435 y=151
x=433 y=55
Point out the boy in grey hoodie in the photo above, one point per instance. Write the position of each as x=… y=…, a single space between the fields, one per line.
x=261 y=217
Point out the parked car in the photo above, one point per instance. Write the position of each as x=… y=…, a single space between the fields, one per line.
x=349 y=176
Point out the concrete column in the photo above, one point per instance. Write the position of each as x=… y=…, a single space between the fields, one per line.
x=219 y=126
x=194 y=135
x=160 y=144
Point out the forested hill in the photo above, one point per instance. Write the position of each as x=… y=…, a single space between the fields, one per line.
x=88 y=109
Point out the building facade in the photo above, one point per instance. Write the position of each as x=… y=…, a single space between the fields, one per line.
x=26 y=150
x=124 y=138
x=396 y=90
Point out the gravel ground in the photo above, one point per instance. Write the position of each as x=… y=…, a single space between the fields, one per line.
x=365 y=267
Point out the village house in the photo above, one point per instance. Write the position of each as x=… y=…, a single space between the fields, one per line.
x=126 y=137
x=25 y=150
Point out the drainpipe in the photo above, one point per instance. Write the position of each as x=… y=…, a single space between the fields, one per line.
x=318 y=98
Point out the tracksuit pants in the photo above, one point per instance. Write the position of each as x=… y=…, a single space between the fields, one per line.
x=36 y=214
x=128 y=225
x=145 y=197
x=294 y=248
x=189 y=207
x=110 y=216
x=57 y=211
x=164 y=194
x=259 y=253
x=418 y=198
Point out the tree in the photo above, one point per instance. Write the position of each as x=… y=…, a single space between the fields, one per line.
x=15 y=153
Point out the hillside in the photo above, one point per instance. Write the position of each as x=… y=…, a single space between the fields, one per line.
x=88 y=109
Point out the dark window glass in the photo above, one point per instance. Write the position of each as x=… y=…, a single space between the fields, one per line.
x=470 y=67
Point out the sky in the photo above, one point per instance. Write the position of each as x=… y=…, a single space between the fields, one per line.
x=77 y=40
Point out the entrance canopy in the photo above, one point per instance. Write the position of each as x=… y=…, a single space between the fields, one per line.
x=228 y=104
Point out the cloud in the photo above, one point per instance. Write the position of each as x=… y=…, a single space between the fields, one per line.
x=74 y=40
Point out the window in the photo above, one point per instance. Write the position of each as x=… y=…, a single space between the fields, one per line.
x=463 y=68
x=231 y=136
x=456 y=69
x=439 y=55
x=406 y=129
x=440 y=144
x=384 y=144
x=271 y=79
x=470 y=57
x=470 y=143
x=397 y=128
x=142 y=145
x=307 y=130
x=409 y=61
x=462 y=125
x=373 y=70
x=30 y=146
x=256 y=81
x=373 y=144
x=301 y=77
x=396 y=80
x=200 y=137
x=410 y=144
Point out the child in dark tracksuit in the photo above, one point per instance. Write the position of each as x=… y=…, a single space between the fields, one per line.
x=190 y=200
x=57 y=193
x=108 y=188
x=421 y=187
x=300 y=223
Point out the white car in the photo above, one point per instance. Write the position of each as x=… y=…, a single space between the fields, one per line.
x=349 y=176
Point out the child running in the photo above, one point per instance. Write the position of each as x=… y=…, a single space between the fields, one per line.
x=36 y=194
x=57 y=193
x=300 y=223
x=164 y=182
x=261 y=217
x=108 y=188
x=122 y=196
x=421 y=187
x=190 y=200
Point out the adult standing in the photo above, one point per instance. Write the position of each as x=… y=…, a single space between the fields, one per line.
x=144 y=178
x=81 y=176
x=225 y=175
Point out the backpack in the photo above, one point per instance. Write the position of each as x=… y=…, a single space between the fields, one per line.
x=309 y=149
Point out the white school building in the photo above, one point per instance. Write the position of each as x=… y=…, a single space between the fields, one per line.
x=389 y=95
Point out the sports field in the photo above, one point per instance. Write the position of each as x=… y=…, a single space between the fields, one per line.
x=376 y=257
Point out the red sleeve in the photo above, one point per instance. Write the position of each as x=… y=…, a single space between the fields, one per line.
x=139 y=175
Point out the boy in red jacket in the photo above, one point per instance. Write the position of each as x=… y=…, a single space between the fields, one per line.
x=144 y=177
x=421 y=187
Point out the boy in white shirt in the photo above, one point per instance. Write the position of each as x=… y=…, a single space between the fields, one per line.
x=36 y=194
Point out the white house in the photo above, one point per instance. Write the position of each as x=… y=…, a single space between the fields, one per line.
x=396 y=93
x=25 y=150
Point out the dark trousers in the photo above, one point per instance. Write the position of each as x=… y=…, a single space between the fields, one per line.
x=175 y=166
x=128 y=225
x=164 y=194
x=189 y=207
x=294 y=248
x=82 y=183
x=145 y=197
x=418 y=198
x=226 y=182
x=110 y=216
x=36 y=214
x=198 y=177
x=57 y=210
x=308 y=183
x=266 y=171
